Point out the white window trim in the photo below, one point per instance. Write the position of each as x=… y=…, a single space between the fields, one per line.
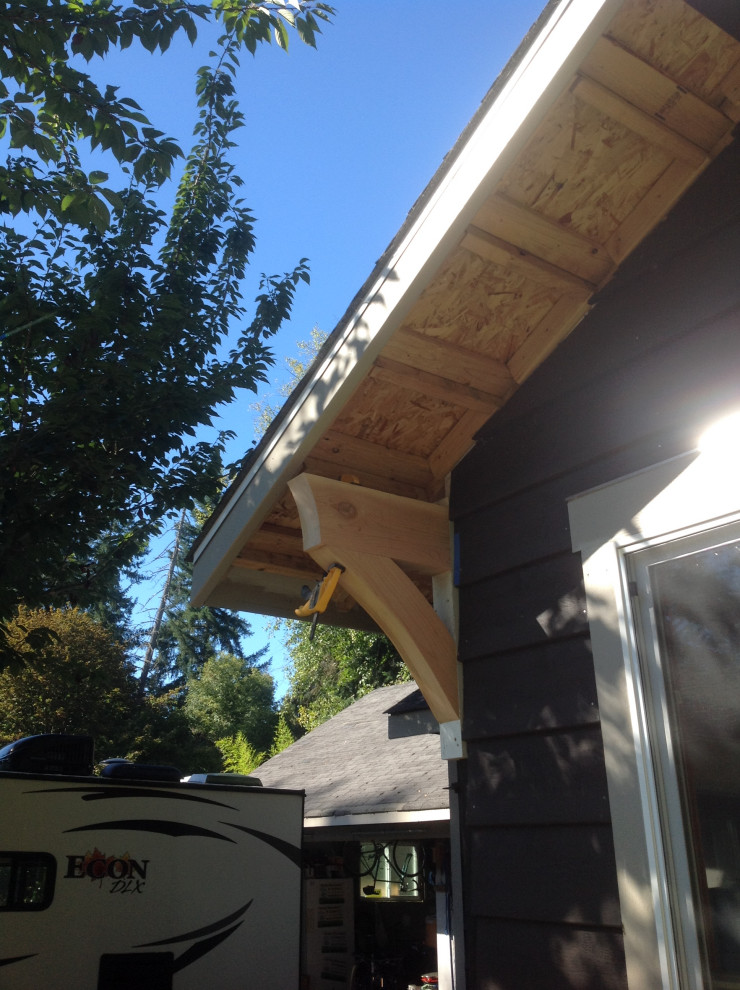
x=674 y=498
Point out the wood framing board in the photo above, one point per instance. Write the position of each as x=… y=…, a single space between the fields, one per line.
x=282 y=515
x=390 y=597
x=639 y=122
x=534 y=233
x=730 y=89
x=271 y=593
x=337 y=467
x=696 y=53
x=301 y=568
x=659 y=95
x=564 y=316
x=517 y=258
x=279 y=549
x=431 y=352
x=285 y=540
x=350 y=517
x=357 y=455
x=403 y=376
x=457 y=443
x=654 y=206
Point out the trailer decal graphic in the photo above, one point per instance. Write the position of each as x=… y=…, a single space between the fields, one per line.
x=206 y=945
x=174 y=829
x=201 y=948
x=198 y=932
x=107 y=794
x=128 y=875
x=15 y=959
x=294 y=853
x=178 y=883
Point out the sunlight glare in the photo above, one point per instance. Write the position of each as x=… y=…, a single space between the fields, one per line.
x=722 y=437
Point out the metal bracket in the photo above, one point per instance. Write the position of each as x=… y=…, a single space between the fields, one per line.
x=318 y=599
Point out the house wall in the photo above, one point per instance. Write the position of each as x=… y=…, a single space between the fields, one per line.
x=656 y=361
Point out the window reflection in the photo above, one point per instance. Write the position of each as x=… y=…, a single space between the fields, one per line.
x=697 y=617
x=26 y=881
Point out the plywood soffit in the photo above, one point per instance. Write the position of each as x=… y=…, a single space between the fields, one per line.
x=649 y=103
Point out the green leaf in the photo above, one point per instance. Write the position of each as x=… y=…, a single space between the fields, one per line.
x=115 y=311
x=282 y=36
x=113 y=198
x=99 y=213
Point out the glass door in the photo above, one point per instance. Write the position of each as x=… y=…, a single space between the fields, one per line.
x=686 y=604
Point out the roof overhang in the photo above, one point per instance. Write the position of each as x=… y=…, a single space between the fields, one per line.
x=429 y=824
x=603 y=119
x=380 y=819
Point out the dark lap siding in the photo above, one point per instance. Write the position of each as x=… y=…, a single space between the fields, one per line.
x=655 y=362
x=547 y=687
x=547 y=957
x=553 y=777
x=523 y=607
x=536 y=874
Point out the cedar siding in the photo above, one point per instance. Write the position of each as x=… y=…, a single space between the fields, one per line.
x=658 y=357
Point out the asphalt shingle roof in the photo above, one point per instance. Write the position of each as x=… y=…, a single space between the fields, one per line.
x=350 y=766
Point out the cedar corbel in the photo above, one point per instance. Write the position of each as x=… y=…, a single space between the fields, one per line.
x=370 y=533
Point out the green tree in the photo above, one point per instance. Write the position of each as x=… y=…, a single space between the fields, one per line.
x=183 y=638
x=232 y=695
x=239 y=755
x=283 y=736
x=334 y=669
x=297 y=368
x=160 y=732
x=73 y=677
x=49 y=104
x=114 y=317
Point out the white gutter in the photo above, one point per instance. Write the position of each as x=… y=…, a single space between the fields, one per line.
x=542 y=72
x=382 y=818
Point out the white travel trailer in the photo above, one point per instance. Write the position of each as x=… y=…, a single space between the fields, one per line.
x=117 y=882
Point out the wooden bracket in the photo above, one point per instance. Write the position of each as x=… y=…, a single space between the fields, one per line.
x=371 y=532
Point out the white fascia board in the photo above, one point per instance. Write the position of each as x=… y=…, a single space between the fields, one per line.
x=384 y=818
x=538 y=79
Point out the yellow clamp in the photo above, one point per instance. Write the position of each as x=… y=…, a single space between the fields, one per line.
x=320 y=597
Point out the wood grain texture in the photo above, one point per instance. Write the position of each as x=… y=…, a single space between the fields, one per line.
x=533 y=232
x=636 y=120
x=351 y=517
x=389 y=597
x=604 y=168
x=652 y=90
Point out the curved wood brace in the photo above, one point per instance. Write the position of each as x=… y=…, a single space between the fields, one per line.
x=378 y=584
x=407 y=619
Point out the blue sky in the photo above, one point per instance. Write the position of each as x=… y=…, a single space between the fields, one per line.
x=339 y=142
